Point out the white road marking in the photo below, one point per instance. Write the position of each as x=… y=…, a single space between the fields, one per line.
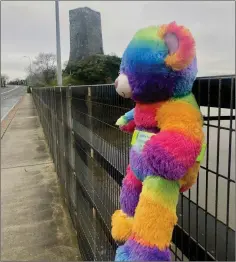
x=9 y=111
x=10 y=90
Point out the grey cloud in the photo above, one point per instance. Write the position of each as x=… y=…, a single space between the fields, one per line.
x=28 y=27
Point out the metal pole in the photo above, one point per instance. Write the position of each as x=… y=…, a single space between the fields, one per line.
x=59 y=73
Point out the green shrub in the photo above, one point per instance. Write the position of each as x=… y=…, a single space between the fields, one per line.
x=69 y=80
x=95 y=69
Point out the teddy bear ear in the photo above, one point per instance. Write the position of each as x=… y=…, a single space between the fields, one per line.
x=172 y=42
x=180 y=44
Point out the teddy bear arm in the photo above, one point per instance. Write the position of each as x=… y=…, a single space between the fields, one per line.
x=174 y=150
x=126 y=122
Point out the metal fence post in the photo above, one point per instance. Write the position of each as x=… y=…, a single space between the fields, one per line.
x=91 y=165
x=54 y=119
x=71 y=149
x=63 y=136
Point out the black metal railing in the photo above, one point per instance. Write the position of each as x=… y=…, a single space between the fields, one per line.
x=91 y=155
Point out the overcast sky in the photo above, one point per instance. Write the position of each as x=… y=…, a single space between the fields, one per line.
x=28 y=27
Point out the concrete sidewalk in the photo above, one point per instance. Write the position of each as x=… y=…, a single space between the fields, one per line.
x=35 y=224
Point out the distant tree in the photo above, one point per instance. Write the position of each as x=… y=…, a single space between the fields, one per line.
x=43 y=69
x=96 y=69
x=17 y=81
x=65 y=65
x=4 y=79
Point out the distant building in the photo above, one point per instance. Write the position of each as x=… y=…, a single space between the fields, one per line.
x=85 y=33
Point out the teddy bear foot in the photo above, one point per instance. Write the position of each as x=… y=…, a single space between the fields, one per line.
x=121 y=226
x=123 y=253
x=133 y=251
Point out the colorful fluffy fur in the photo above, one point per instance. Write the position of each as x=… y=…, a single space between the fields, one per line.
x=157 y=71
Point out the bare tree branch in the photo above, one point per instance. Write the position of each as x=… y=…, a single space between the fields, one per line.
x=43 y=69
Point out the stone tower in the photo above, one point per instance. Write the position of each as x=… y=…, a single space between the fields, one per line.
x=85 y=33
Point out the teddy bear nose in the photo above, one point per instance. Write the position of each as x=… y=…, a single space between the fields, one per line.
x=116 y=83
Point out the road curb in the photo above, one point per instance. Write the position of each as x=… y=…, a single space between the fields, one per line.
x=9 y=117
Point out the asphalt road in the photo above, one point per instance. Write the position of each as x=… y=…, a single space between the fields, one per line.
x=10 y=95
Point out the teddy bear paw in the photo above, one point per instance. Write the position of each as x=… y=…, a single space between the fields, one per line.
x=121 y=226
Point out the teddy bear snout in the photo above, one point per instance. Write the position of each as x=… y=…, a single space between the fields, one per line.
x=122 y=86
x=116 y=83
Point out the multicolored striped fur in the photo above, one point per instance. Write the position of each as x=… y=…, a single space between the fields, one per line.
x=157 y=71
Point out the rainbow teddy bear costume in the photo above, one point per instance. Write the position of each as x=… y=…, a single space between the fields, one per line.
x=157 y=71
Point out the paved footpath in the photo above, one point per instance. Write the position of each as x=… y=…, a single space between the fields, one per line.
x=35 y=224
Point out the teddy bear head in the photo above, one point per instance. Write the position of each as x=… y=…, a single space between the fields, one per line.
x=159 y=63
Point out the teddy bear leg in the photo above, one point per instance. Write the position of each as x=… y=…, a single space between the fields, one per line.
x=122 y=220
x=133 y=251
x=189 y=178
x=153 y=224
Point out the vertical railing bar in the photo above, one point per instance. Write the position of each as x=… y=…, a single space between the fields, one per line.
x=182 y=226
x=56 y=126
x=63 y=134
x=91 y=166
x=53 y=123
x=58 y=132
x=229 y=168
x=70 y=138
x=189 y=225
x=217 y=165
x=175 y=247
x=207 y=164
x=50 y=114
x=197 y=196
